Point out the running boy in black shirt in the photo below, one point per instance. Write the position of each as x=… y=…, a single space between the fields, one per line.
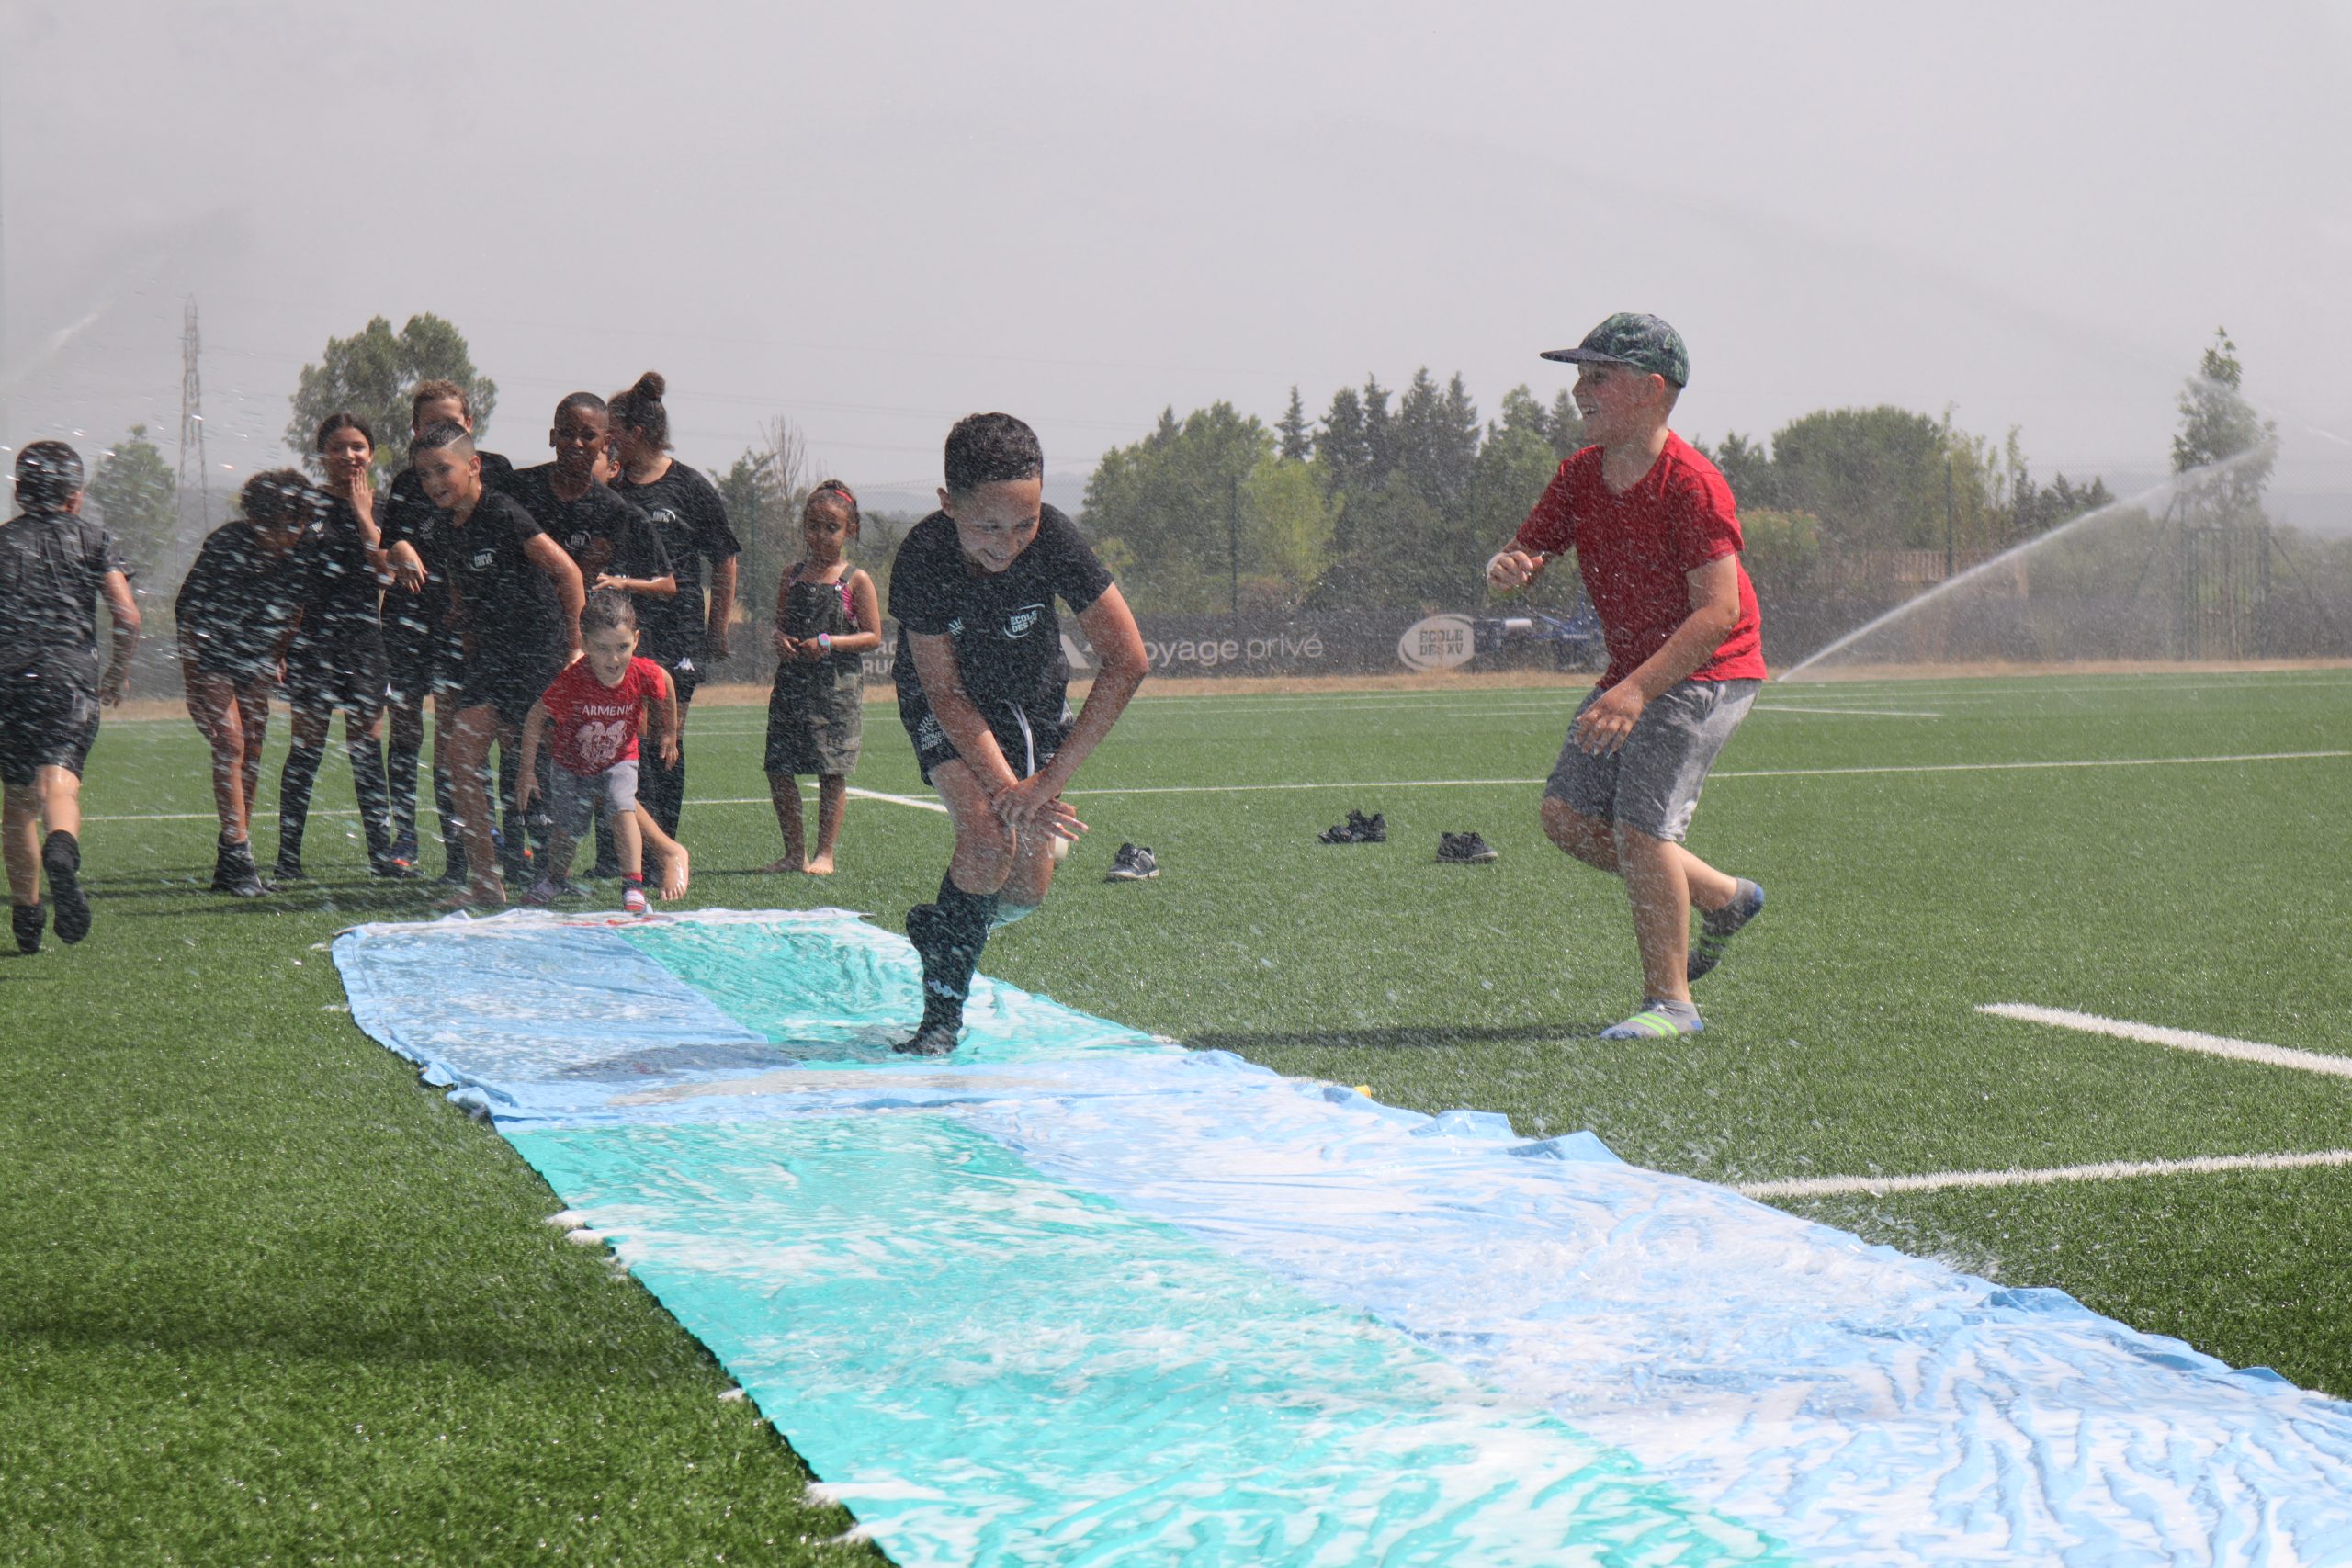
x=982 y=690
x=515 y=597
x=53 y=568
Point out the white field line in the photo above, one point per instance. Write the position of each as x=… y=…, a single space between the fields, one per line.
x=1938 y=1181
x=916 y=801
x=2179 y=1039
x=1866 y=713
x=1430 y=783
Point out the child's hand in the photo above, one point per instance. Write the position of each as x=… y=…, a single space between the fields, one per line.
x=787 y=648
x=669 y=749
x=810 y=649
x=1032 y=806
x=1513 y=568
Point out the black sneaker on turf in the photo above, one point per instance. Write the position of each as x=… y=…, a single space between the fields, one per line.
x=1357 y=830
x=1464 y=848
x=1373 y=829
x=61 y=860
x=286 y=870
x=28 y=919
x=930 y=1040
x=233 y=871
x=1132 y=863
x=1717 y=927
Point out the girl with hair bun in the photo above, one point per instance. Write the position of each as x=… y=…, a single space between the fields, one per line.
x=686 y=633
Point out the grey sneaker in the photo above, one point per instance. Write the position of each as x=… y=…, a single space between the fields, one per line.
x=930 y=1040
x=1717 y=927
x=1133 y=863
x=1464 y=848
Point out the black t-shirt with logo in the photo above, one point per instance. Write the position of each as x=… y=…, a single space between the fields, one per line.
x=600 y=531
x=691 y=521
x=1008 y=638
x=239 y=602
x=53 y=568
x=401 y=512
x=504 y=602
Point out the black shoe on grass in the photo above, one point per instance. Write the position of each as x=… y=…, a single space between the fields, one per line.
x=1358 y=830
x=233 y=871
x=1464 y=848
x=61 y=861
x=1132 y=863
x=1718 y=927
x=28 y=919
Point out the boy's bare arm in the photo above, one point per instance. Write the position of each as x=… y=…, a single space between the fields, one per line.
x=665 y=720
x=535 y=729
x=550 y=559
x=943 y=688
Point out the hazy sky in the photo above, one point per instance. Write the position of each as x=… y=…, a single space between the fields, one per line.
x=872 y=218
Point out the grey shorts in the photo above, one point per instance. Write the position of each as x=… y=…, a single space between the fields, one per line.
x=572 y=799
x=1652 y=783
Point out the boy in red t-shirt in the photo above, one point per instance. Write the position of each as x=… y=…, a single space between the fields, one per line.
x=595 y=708
x=1657 y=541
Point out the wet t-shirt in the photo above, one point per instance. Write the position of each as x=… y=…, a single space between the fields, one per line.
x=504 y=602
x=401 y=512
x=1008 y=638
x=691 y=521
x=595 y=725
x=238 y=601
x=600 y=532
x=54 y=566
x=339 y=583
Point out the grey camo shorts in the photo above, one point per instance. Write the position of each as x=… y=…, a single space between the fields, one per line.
x=1652 y=783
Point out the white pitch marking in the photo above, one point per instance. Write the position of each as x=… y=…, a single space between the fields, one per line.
x=919 y=803
x=1868 y=713
x=1936 y=1181
x=2179 y=1039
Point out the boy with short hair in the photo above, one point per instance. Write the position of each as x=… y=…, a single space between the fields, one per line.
x=982 y=690
x=55 y=567
x=1657 y=541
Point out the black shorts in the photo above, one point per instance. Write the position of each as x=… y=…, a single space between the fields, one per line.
x=49 y=719
x=351 y=673
x=419 y=660
x=508 y=681
x=239 y=669
x=1028 y=736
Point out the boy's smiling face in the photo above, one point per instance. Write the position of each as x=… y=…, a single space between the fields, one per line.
x=1620 y=404
x=994 y=523
x=608 y=650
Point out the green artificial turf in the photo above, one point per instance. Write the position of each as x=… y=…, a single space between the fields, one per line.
x=265 y=1299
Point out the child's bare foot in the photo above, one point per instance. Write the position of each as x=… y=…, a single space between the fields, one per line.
x=485 y=895
x=785 y=863
x=674 y=873
x=821 y=866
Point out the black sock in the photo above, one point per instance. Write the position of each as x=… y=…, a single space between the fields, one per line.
x=294 y=782
x=61 y=854
x=953 y=939
x=368 y=786
x=400 y=777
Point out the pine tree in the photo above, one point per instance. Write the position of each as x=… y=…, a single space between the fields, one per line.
x=1298 y=436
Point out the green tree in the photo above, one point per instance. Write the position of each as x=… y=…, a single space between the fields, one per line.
x=370 y=373
x=136 y=497
x=1286 y=530
x=1297 y=435
x=1173 y=503
x=1340 y=451
x=1746 y=467
x=2218 y=427
x=1437 y=442
x=1880 y=478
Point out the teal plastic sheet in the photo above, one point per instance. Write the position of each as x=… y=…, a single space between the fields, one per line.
x=1078 y=1296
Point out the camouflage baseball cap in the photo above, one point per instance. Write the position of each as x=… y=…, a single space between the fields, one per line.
x=1646 y=343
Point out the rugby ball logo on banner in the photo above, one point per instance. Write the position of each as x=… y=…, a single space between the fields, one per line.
x=1439 y=642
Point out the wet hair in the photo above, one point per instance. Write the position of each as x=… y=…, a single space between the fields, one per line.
x=344 y=421
x=448 y=432
x=840 y=492
x=990 y=448
x=433 y=392
x=607 y=610
x=587 y=401
x=641 y=410
x=49 y=476
x=280 y=496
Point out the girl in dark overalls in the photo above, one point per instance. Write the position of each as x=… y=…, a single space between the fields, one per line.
x=827 y=616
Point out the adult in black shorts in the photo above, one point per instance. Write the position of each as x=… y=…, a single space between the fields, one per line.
x=420 y=651
x=336 y=660
x=982 y=686
x=606 y=538
x=515 y=599
x=55 y=567
x=682 y=635
x=236 y=612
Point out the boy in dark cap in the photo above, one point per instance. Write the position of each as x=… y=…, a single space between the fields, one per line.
x=1657 y=541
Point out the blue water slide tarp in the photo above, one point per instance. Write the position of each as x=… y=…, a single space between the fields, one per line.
x=1078 y=1296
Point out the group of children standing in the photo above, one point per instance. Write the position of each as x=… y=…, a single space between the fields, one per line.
x=520 y=602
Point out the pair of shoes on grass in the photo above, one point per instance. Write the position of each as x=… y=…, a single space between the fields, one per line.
x=1464 y=848
x=1133 y=863
x=1357 y=830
